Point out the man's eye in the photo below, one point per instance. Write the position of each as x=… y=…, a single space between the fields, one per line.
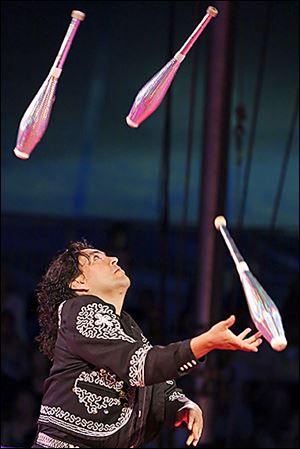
x=97 y=257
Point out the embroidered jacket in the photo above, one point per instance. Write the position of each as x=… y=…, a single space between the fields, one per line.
x=108 y=386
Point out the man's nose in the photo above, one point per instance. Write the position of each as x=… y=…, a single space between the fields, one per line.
x=113 y=260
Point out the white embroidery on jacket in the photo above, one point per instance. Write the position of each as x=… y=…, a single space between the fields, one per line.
x=102 y=377
x=99 y=321
x=92 y=401
x=45 y=441
x=81 y=426
x=144 y=339
x=137 y=365
x=59 y=311
x=176 y=395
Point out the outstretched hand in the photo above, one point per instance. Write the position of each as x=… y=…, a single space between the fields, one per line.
x=191 y=414
x=222 y=337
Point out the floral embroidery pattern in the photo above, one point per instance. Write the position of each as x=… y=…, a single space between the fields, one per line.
x=99 y=321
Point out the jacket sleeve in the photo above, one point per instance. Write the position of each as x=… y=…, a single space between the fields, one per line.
x=93 y=332
x=174 y=400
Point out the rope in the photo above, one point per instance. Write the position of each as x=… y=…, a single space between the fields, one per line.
x=285 y=163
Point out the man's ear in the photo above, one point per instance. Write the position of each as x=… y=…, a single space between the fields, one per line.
x=78 y=283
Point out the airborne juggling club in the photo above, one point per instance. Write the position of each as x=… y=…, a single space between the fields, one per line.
x=152 y=94
x=263 y=311
x=36 y=118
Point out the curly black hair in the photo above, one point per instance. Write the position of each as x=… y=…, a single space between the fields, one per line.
x=53 y=289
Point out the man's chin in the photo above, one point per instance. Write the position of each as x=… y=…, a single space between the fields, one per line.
x=124 y=279
x=127 y=280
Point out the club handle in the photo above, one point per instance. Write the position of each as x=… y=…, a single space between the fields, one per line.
x=241 y=265
x=210 y=13
x=77 y=18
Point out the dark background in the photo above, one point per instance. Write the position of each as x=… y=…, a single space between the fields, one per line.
x=93 y=176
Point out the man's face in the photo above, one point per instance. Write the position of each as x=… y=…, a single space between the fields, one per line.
x=100 y=273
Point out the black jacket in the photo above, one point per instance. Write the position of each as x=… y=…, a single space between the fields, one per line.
x=108 y=387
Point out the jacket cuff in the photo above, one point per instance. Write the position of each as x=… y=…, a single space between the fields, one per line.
x=185 y=359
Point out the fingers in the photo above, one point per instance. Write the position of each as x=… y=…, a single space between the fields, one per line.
x=251 y=343
x=244 y=333
x=258 y=334
x=195 y=425
x=252 y=347
x=191 y=439
x=257 y=342
x=191 y=421
x=249 y=339
x=254 y=338
x=194 y=436
x=230 y=321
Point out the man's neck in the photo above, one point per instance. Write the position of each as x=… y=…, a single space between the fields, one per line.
x=117 y=302
x=114 y=298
